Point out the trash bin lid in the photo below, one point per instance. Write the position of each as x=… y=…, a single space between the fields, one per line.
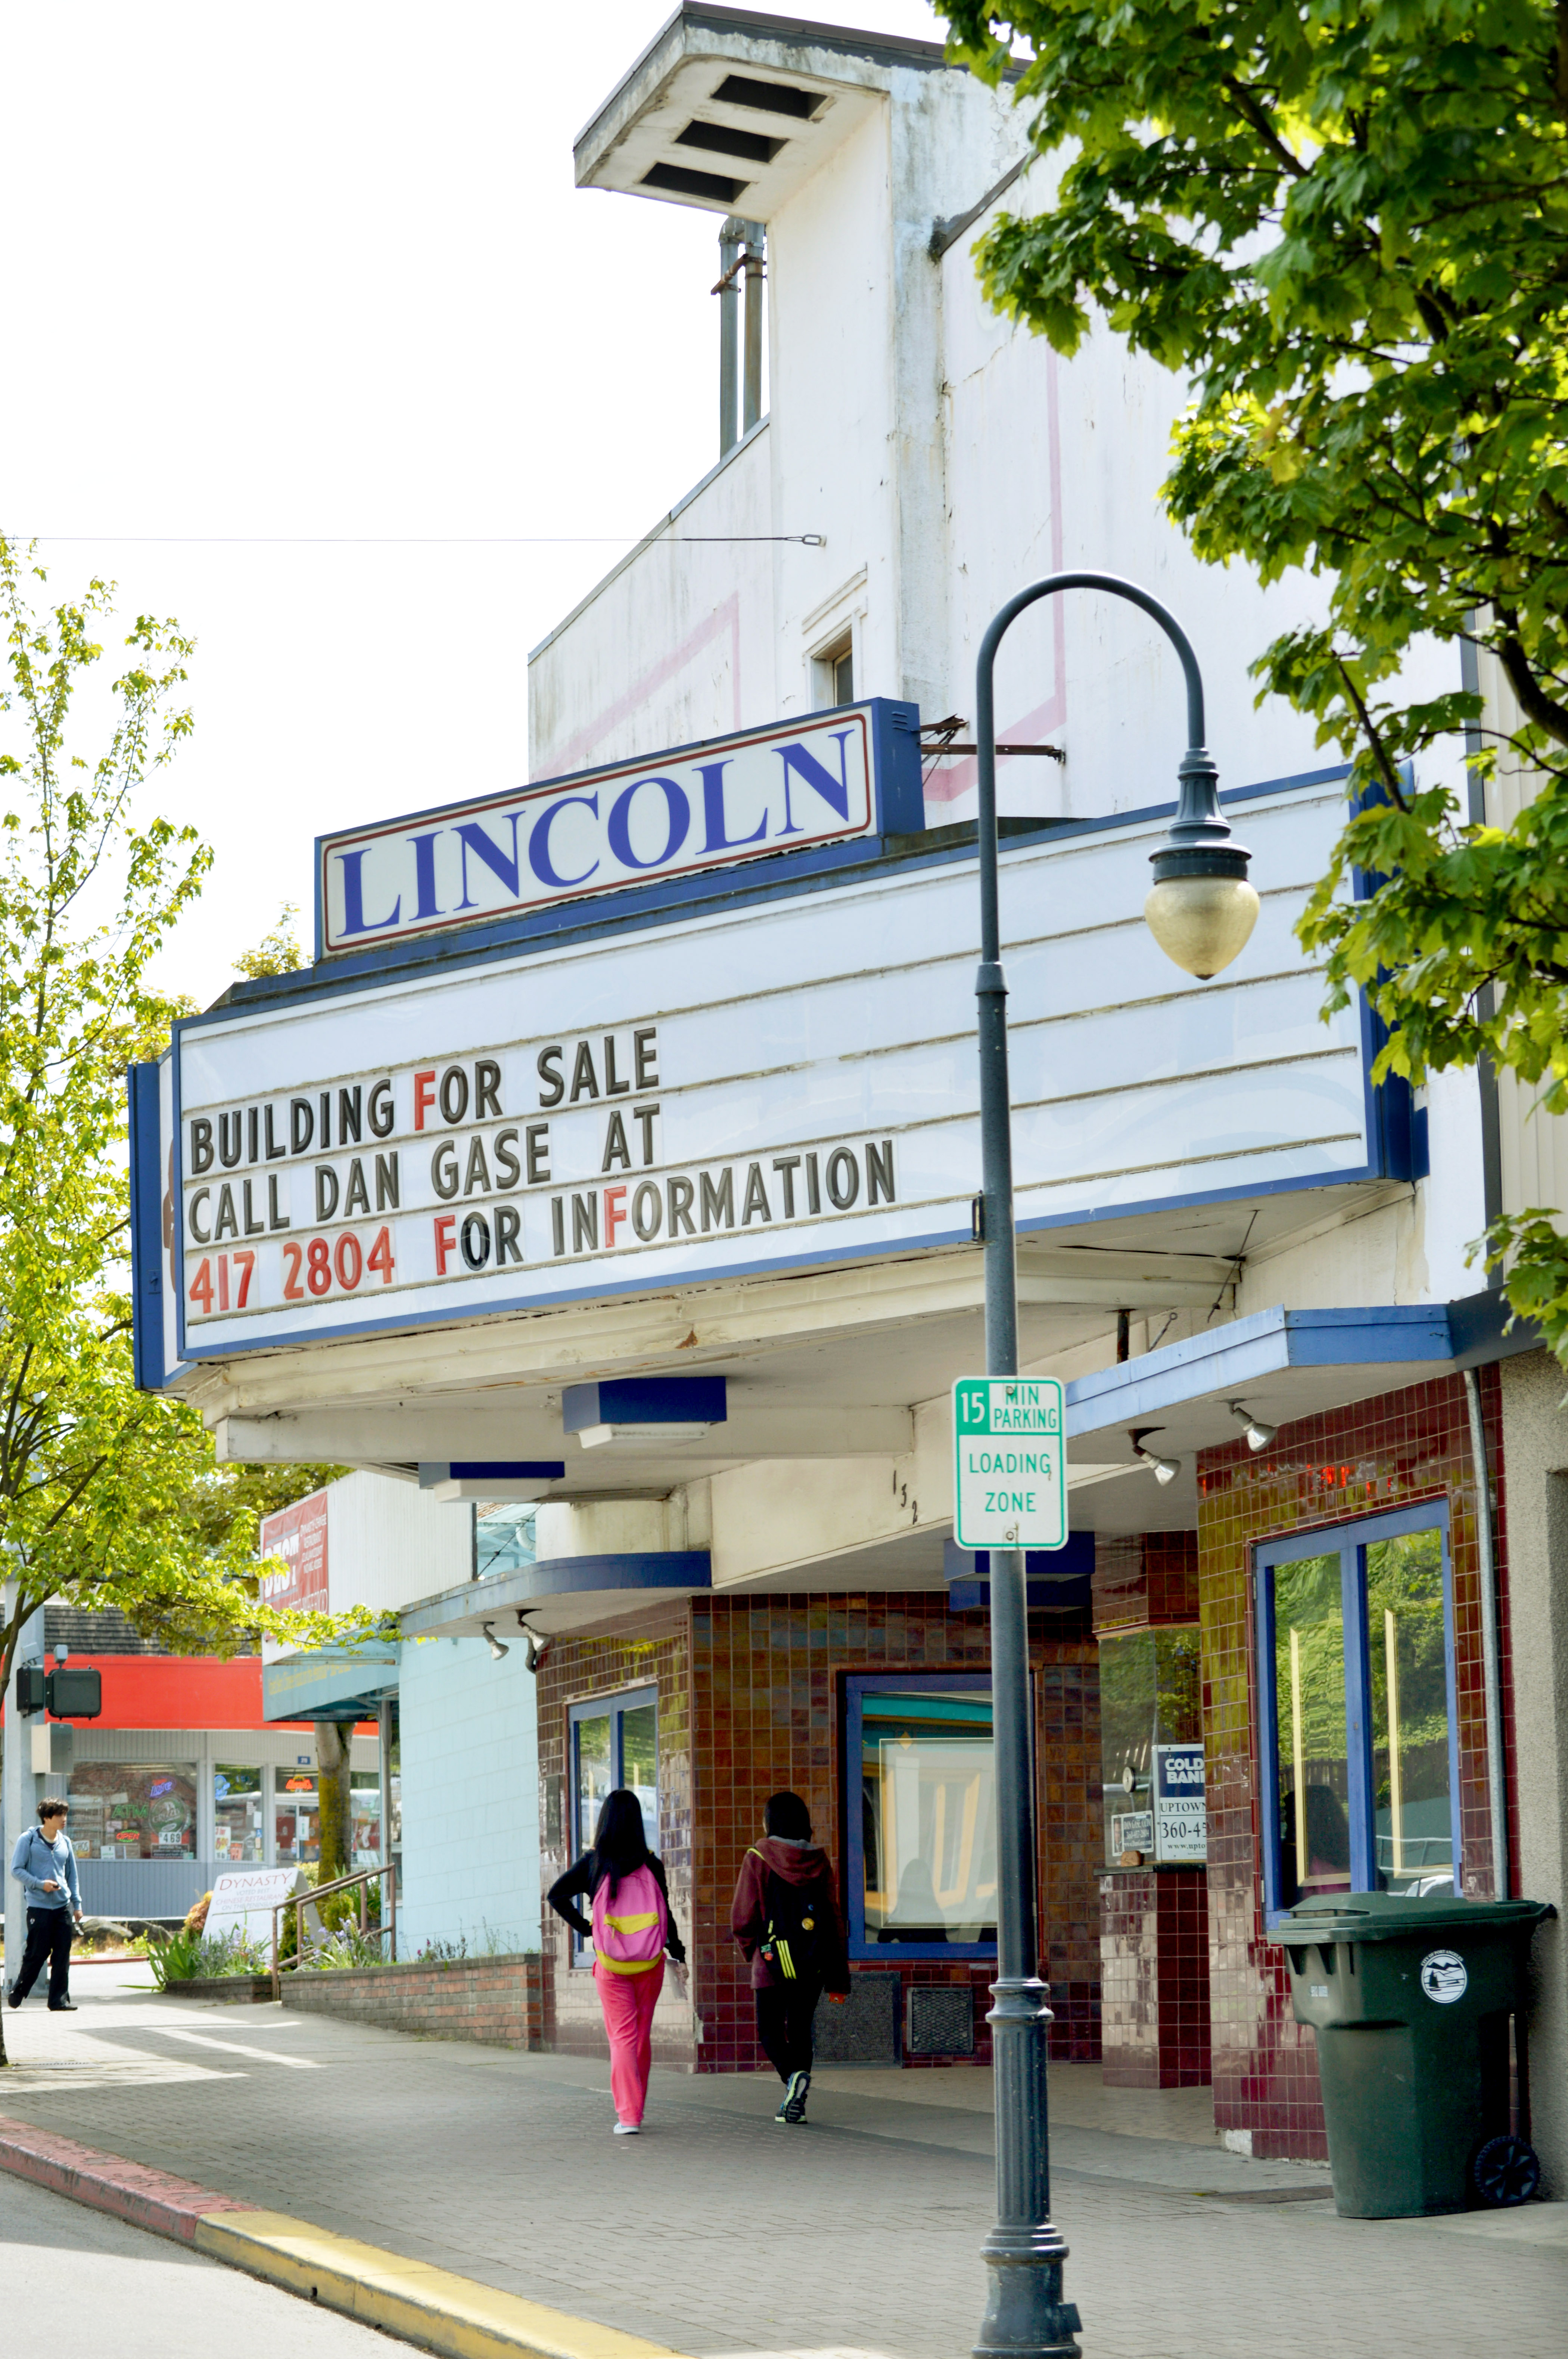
x=1389 y=1916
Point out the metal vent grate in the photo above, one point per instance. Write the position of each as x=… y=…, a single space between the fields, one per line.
x=941 y=2020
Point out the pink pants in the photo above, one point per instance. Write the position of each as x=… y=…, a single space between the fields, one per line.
x=628 y=2001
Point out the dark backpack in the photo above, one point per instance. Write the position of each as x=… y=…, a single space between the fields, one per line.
x=790 y=1945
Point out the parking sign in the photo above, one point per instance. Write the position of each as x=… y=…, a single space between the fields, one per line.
x=1010 y=1485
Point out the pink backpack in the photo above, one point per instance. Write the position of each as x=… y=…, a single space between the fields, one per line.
x=629 y=1932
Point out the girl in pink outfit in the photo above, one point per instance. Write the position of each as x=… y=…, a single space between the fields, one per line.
x=631 y=1931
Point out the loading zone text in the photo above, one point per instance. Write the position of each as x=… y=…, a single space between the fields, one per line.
x=1010 y=1489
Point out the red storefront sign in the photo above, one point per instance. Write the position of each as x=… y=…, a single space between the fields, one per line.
x=298 y=1535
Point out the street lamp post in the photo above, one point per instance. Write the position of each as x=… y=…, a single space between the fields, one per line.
x=1201 y=910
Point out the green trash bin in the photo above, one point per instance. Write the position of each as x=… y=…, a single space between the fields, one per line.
x=1410 y=2001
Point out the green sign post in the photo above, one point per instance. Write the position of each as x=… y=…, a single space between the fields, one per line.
x=1010 y=1480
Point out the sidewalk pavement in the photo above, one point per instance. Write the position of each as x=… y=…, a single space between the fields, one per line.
x=718 y=2233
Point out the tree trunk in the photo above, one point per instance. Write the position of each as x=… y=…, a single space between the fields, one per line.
x=332 y=1745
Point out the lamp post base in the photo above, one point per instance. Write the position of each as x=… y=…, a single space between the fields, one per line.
x=1026 y=2317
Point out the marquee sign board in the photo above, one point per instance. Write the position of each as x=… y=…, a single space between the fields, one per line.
x=824 y=778
x=719 y=1093
x=1010 y=1475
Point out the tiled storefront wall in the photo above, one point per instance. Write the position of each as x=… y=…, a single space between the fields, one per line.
x=1154 y=2023
x=766 y=1681
x=1144 y=1579
x=654 y=1649
x=1384 y=1453
x=1153 y=1922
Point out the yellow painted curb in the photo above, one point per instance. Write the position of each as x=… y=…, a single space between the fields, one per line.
x=410 y=2299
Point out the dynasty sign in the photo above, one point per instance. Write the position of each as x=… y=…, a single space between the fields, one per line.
x=824 y=780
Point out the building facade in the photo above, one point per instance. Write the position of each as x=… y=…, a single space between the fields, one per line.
x=616 y=1155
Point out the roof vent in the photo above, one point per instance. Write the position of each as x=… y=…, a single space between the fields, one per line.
x=723 y=139
x=770 y=97
x=681 y=182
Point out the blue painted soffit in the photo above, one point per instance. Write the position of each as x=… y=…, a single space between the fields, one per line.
x=1407 y=1343
x=553 y=1579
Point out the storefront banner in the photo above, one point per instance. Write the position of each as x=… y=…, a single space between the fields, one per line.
x=738 y=1091
x=243 y=1899
x=826 y=779
x=1181 y=1815
x=298 y=1535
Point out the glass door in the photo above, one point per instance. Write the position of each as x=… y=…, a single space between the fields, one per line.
x=614 y=1743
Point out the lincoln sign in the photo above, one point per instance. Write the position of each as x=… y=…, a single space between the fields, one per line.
x=730 y=800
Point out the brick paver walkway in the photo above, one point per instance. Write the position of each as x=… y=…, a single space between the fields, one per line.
x=719 y=2234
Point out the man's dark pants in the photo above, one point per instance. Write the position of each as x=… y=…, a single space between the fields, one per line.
x=783 y=2025
x=48 y=1936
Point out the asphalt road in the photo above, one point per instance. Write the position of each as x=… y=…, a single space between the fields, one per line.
x=75 y=2279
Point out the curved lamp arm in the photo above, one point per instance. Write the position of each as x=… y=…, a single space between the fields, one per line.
x=1200 y=842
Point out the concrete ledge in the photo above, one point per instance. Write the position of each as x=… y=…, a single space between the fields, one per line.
x=441 y=2312
x=130 y=2191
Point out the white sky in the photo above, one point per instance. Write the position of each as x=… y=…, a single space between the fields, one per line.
x=320 y=269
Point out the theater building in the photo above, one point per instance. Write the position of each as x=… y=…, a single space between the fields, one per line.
x=616 y=1154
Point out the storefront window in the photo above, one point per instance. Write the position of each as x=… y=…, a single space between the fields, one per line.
x=923 y=1844
x=237 y=1806
x=614 y=1741
x=364 y=1805
x=121 y=1810
x=296 y=1821
x=1356 y=1652
x=503 y=1539
x=1152 y=1754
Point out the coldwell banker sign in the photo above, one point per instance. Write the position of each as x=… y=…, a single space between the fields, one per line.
x=812 y=781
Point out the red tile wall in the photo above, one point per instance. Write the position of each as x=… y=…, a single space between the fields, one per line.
x=1383 y=1453
x=1154 y=2020
x=753 y=1687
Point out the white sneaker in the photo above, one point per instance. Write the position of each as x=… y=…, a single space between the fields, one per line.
x=628 y=2129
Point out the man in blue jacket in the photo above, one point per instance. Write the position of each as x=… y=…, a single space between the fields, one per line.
x=44 y=1865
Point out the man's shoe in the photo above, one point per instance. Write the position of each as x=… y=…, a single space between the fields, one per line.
x=62 y=2007
x=793 y=2108
x=13 y=1998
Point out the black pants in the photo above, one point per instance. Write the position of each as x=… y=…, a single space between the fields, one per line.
x=48 y=1936
x=783 y=2025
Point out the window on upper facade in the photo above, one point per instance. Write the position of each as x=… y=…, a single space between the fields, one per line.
x=922 y=1847
x=1359 y=1740
x=833 y=673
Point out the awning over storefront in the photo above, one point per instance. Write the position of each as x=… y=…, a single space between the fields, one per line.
x=337 y=1683
x=559 y=1593
x=1280 y=1365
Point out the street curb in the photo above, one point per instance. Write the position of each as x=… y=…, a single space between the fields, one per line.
x=433 y=2308
x=128 y=2190
x=421 y=2304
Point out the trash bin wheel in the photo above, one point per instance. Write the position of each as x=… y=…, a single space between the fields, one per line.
x=1506 y=2171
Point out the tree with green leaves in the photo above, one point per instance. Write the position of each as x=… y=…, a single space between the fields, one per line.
x=1346 y=223
x=108 y=1496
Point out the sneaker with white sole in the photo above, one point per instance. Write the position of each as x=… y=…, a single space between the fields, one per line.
x=628 y=2129
x=793 y=2109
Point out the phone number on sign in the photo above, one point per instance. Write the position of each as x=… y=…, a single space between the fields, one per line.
x=311 y=1266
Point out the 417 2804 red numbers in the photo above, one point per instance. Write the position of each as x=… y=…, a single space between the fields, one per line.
x=314 y=1265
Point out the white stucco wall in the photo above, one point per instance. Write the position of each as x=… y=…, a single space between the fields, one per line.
x=471 y=1797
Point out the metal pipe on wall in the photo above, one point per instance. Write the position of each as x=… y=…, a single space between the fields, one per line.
x=1491 y=1668
x=729 y=335
x=756 y=250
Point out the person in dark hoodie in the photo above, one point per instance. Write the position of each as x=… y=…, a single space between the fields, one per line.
x=785 y=1919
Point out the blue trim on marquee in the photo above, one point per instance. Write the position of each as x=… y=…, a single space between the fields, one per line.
x=645 y=1400
x=146 y=1229
x=898 y=809
x=500 y=1470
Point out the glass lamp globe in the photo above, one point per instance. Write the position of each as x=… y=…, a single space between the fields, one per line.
x=1202 y=922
